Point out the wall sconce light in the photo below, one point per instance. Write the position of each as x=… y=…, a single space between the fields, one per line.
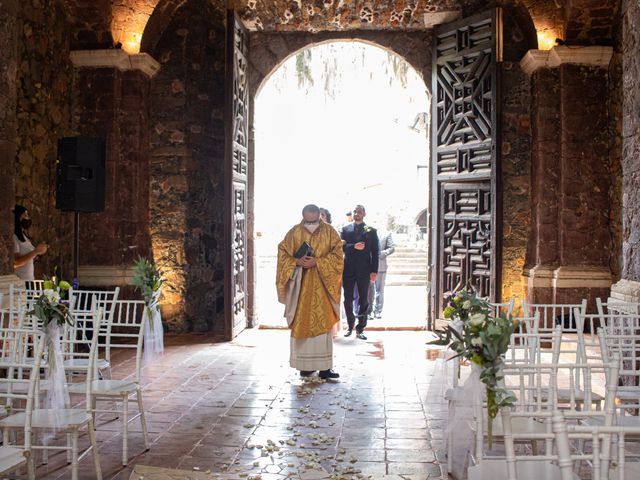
x=131 y=43
x=546 y=39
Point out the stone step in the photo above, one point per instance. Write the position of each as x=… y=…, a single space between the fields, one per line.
x=410 y=250
x=407 y=255
x=412 y=277
x=394 y=259
x=408 y=283
x=407 y=265
x=397 y=273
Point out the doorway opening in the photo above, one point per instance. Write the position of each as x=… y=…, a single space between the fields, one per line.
x=338 y=124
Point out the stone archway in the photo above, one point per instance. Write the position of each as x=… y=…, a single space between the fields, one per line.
x=270 y=50
x=195 y=258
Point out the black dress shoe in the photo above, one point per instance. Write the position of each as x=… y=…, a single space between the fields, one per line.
x=306 y=373
x=361 y=336
x=328 y=374
x=348 y=334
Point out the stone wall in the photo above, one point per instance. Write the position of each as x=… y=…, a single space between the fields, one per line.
x=114 y=105
x=571 y=238
x=546 y=168
x=584 y=180
x=91 y=21
x=615 y=103
x=515 y=145
x=186 y=160
x=631 y=141
x=591 y=22
x=44 y=86
x=314 y=16
x=8 y=129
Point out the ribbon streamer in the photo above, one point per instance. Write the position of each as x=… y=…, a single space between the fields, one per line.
x=153 y=331
x=57 y=398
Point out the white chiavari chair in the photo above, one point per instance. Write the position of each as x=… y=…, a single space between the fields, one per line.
x=551 y=315
x=126 y=332
x=625 y=343
x=18 y=381
x=537 y=417
x=11 y=320
x=68 y=420
x=527 y=345
x=76 y=339
x=87 y=300
x=614 y=306
x=34 y=285
x=527 y=324
x=21 y=299
x=82 y=304
x=588 y=325
x=607 y=459
x=526 y=382
x=504 y=307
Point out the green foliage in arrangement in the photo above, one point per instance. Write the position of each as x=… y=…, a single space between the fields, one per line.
x=478 y=336
x=147 y=279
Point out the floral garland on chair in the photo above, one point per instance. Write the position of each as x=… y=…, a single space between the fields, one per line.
x=54 y=312
x=50 y=305
x=479 y=337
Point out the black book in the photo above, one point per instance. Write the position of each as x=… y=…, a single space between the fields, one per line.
x=304 y=250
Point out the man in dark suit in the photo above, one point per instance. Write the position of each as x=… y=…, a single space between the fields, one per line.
x=360 y=268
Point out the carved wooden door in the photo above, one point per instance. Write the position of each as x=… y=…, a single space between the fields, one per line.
x=465 y=156
x=235 y=171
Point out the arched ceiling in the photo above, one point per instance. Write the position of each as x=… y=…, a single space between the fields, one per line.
x=99 y=22
x=323 y=15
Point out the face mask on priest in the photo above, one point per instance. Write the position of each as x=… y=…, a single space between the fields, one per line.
x=312 y=226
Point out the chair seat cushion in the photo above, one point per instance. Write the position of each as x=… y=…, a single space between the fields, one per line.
x=106 y=387
x=620 y=420
x=84 y=363
x=519 y=426
x=23 y=388
x=526 y=469
x=564 y=395
x=11 y=458
x=45 y=418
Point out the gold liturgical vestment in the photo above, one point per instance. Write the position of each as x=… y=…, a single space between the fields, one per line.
x=318 y=303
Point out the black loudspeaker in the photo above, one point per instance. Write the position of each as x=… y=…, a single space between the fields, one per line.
x=80 y=174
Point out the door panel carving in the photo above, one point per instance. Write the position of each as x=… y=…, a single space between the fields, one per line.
x=236 y=158
x=465 y=159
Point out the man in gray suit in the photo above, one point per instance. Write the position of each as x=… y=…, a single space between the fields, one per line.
x=376 y=292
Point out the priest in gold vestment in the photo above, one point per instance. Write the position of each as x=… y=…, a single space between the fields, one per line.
x=309 y=279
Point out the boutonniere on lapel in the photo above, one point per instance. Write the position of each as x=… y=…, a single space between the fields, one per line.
x=365 y=232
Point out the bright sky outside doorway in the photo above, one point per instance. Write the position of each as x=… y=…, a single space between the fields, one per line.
x=338 y=124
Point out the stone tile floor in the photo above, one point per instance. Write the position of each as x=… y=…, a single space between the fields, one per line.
x=237 y=410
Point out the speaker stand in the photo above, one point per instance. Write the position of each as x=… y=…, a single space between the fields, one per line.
x=76 y=248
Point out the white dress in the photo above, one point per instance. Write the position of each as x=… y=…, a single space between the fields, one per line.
x=25 y=272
